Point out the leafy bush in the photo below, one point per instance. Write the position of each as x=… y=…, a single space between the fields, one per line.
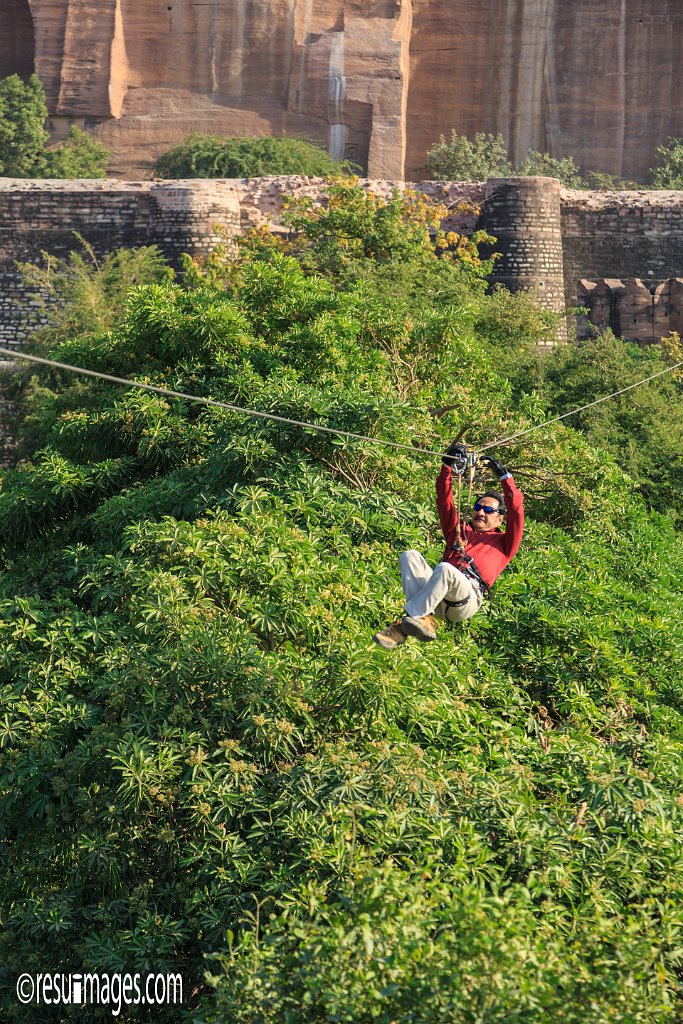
x=83 y=294
x=208 y=767
x=564 y=169
x=669 y=171
x=23 y=138
x=78 y=157
x=485 y=156
x=210 y=156
x=22 y=126
x=462 y=159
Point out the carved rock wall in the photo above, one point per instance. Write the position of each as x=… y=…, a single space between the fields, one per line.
x=154 y=71
x=596 y=81
x=375 y=80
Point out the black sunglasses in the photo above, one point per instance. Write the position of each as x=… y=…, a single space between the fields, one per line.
x=488 y=509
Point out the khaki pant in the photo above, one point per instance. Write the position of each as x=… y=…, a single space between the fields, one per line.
x=427 y=590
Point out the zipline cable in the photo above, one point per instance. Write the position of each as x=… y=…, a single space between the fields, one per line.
x=215 y=402
x=582 y=408
x=313 y=426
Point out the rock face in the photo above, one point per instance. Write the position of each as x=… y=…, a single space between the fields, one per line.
x=152 y=72
x=376 y=81
x=598 y=81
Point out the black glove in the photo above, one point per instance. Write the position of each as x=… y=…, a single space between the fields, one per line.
x=497 y=467
x=456 y=453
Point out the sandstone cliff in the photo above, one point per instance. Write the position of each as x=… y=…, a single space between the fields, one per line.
x=375 y=80
x=598 y=80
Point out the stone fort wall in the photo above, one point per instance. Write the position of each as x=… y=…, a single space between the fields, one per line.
x=618 y=253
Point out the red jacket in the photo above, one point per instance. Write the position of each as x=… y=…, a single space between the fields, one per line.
x=493 y=550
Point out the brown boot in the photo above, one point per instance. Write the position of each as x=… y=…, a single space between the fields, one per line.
x=390 y=637
x=423 y=629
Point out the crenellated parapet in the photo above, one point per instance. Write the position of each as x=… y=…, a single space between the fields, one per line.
x=635 y=311
x=618 y=254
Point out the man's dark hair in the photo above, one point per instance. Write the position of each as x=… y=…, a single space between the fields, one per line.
x=499 y=498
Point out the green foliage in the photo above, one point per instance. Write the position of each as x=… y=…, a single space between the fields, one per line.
x=83 y=294
x=211 y=156
x=23 y=138
x=515 y=323
x=485 y=156
x=642 y=429
x=564 y=169
x=462 y=159
x=22 y=127
x=599 y=180
x=392 y=250
x=78 y=157
x=669 y=171
x=206 y=765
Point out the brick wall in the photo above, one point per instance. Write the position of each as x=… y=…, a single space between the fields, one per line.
x=179 y=216
x=38 y=216
x=550 y=238
x=621 y=235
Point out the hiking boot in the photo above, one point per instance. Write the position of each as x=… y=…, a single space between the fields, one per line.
x=423 y=629
x=390 y=637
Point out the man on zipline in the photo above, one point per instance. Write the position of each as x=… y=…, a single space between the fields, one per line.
x=475 y=556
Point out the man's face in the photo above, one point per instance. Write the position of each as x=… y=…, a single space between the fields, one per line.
x=483 y=521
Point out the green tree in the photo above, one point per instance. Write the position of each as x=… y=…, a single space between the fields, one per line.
x=206 y=766
x=462 y=159
x=23 y=136
x=82 y=294
x=210 y=156
x=564 y=169
x=669 y=171
x=78 y=157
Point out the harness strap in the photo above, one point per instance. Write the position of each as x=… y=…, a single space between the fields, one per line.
x=469 y=568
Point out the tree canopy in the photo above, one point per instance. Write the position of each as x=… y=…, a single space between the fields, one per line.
x=486 y=156
x=212 y=156
x=208 y=767
x=668 y=172
x=24 y=151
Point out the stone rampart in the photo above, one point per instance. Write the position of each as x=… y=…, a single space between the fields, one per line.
x=47 y=216
x=562 y=243
x=524 y=216
x=179 y=216
x=621 y=235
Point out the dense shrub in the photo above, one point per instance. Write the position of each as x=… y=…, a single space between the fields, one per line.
x=564 y=169
x=24 y=152
x=211 y=156
x=207 y=766
x=463 y=159
x=668 y=173
x=486 y=156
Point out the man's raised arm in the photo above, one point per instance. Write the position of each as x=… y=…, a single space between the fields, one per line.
x=514 y=503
